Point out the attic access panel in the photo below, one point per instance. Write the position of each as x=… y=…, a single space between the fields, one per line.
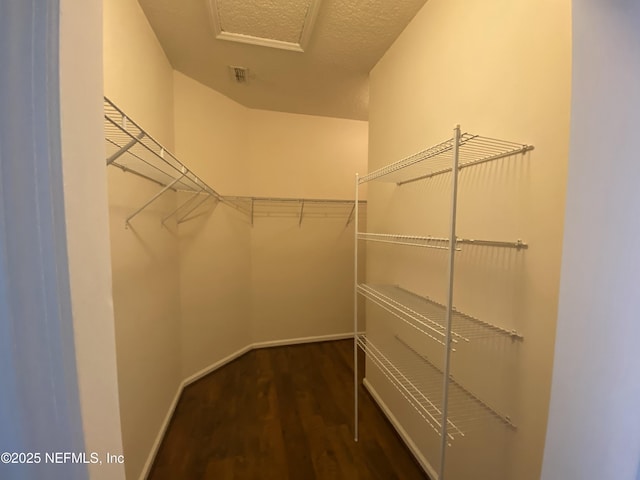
x=286 y=25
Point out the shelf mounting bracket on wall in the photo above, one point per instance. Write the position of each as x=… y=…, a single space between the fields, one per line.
x=125 y=148
x=179 y=207
x=152 y=199
x=301 y=211
x=350 y=215
x=185 y=217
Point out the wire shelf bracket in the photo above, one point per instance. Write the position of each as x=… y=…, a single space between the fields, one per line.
x=133 y=150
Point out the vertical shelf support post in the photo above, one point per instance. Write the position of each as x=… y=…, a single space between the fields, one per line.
x=355 y=315
x=449 y=315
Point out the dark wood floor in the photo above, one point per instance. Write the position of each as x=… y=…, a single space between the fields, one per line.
x=281 y=413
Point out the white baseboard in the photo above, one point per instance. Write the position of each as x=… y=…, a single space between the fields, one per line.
x=296 y=341
x=220 y=363
x=163 y=428
x=401 y=431
x=211 y=368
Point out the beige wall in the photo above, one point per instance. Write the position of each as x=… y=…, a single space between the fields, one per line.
x=302 y=275
x=214 y=244
x=137 y=75
x=290 y=281
x=292 y=155
x=87 y=230
x=501 y=69
x=146 y=287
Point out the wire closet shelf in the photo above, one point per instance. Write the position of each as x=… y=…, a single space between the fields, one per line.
x=396 y=360
x=430 y=317
x=437 y=160
x=133 y=150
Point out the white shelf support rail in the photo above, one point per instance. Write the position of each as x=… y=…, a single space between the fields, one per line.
x=452 y=256
x=355 y=313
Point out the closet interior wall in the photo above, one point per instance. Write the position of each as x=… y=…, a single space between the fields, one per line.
x=501 y=70
x=300 y=273
x=189 y=296
x=145 y=260
x=214 y=244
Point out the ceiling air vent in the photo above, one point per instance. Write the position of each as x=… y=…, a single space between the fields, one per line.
x=239 y=74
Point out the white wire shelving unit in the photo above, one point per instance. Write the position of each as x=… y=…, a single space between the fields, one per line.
x=448 y=408
x=133 y=150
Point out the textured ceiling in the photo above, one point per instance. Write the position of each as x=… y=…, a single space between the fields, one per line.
x=329 y=78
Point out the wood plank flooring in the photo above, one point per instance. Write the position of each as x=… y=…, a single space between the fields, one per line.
x=282 y=413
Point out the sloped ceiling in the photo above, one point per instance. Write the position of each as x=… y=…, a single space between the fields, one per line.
x=330 y=77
